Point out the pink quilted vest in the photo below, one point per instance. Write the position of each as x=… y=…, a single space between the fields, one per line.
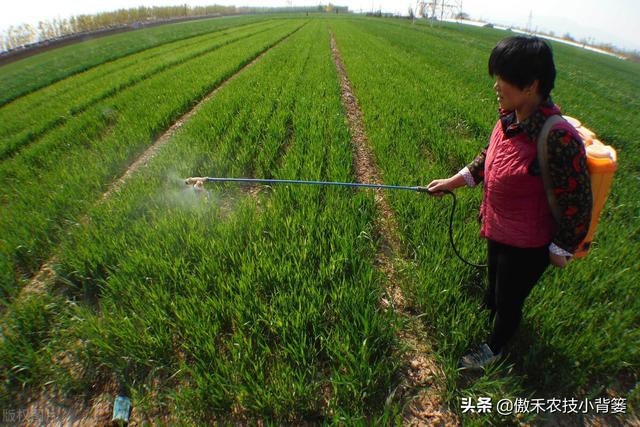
x=514 y=207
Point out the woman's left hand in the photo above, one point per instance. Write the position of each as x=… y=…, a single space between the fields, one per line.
x=559 y=261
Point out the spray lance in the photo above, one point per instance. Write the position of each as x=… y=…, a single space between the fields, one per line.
x=198 y=185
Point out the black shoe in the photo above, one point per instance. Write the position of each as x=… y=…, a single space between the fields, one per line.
x=479 y=358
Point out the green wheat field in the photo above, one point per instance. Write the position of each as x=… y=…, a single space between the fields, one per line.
x=265 y=305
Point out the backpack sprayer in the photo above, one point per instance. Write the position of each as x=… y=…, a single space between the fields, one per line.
x=198 y=184
x=602 y=162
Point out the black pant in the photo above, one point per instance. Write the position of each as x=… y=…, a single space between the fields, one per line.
x=512 y=274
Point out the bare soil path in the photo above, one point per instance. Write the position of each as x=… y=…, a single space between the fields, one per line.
x=421 y=380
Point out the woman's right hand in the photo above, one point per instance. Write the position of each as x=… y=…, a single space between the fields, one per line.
x=436 y=187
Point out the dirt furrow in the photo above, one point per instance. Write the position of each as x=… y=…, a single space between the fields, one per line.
x=420 y=380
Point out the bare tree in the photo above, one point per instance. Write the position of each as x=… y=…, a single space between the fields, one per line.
x=11 y=37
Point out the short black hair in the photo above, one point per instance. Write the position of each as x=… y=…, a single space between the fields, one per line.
x=520 y=60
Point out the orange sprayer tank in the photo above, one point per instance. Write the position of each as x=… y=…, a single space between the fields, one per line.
x=602 y=162
x=573 y=121
x=586 y=134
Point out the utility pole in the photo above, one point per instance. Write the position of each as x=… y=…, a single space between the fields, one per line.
x=431 y=9
x=451 y=8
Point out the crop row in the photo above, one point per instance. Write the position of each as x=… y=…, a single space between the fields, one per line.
x=449 y=48
x=69 y=167
x=427 y=115
x=30 y=117
x=225 y=304
x=24 y=76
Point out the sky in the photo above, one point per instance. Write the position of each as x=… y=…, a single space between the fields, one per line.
x=614 y=21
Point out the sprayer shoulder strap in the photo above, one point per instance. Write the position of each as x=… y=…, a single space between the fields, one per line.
x=543 y=161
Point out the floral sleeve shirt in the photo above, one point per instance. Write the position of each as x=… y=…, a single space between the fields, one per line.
x=568 y=170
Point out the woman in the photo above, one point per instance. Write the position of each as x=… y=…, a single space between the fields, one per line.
x=523 y=238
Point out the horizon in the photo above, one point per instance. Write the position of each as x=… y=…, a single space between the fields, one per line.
x=583 y=21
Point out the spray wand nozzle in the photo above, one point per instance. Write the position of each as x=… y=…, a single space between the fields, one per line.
x=197 y=182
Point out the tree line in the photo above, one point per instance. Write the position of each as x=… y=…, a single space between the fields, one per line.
x=24 y=34
x=21 y=35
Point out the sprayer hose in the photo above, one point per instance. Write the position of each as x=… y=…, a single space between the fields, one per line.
x=453 y=245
